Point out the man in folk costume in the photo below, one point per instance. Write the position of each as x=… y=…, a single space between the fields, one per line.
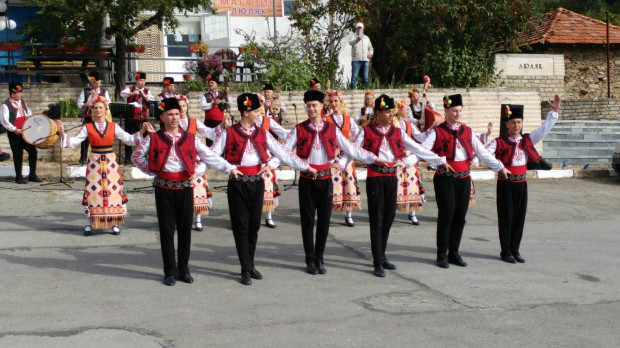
x=105 y=199
x=202 y=194
x=13 y=114
x=168 y=89
x=272 y=190
x=171 y=155
x=458 y=144
x=271 y=96
x=210 y=101
x=345 y=189
x=315 y=84
x=515 y=151
x=388 y=143
x=249 y=147
x=410 y=196
x=85 y=102
x=138 y=96
x=317 y=142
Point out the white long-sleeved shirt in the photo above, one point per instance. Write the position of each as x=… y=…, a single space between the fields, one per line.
x=519 y=157
x=119 y=133
x=4 y=114
x=92 y=94
x=206 y=105
x=461 y=154
x=318 y=154
x=138 y=103
x=209 y=133
x=417 y=108
x=250 y=156
x=361 y=48
x=274 y=127
x=386 y=153
x=207 y=158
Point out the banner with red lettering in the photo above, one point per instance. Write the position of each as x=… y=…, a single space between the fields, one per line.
x=251 y=8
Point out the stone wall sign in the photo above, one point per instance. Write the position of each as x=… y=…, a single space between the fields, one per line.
x=529 y=64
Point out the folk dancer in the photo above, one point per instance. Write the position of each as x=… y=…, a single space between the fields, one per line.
x=138 y=96
x=13 y=114
x=388 y=144
x=85 y=102
x=104 y=199
x=345 y=188
x=271 y=96
x=364 y=115
x=168 y=89
x=171 y=155
x=316 y=142
x=410 y=196
x=271 y=125
x=248 y=146
x=515 y=151
x=210 y=101
x=457 y=143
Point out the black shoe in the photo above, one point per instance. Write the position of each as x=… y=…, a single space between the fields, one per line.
x=311 y=268
x=442 y=261
x=255 y=274
x=88 y=230
x=21 y=180
x=414 y=220
x=82 y=161
x=388 y=265
x=115 y=230
x=509 y=259
x=128 y=162
x=349 y=221
x=518 y=257
x=246 y=278
x=320 y=267
x=455 y=259
x=34 y=178
x=187 y=278
x=269 y=223
x=198 y=226
x=379 y=272
x=169 y=281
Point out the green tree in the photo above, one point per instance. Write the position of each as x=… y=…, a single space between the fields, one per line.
x=592 y=8
x=127 y=18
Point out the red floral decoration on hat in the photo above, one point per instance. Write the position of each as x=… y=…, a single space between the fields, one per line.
x=18 y=88
x=312 y=82
x=248 y=103
x=447 y=101
x=93 y=79
x=209 y=78
x=137 y=75
x=166 y=82
x=161 y=105
x=507 y=111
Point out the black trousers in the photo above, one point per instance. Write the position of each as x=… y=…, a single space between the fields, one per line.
x=381 y=192
x=175 y=208
x=245 y=205
x=511 y=209
x=315 y=196
x=18 y=145
x=84 y=145
x=131 y=126
x=211 y=124
x=452 y=195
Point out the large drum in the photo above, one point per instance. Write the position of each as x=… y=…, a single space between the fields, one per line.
x=40 y=131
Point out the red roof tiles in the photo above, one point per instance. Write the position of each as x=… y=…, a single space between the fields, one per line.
x=567 y=27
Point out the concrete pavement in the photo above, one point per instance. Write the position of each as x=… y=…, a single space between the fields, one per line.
x=60 y=289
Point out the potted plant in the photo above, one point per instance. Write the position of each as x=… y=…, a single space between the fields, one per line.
x=199 y=48
x=187 y=77
x=10 y=46
x=209 y=65
x=135 y=48
x=73 y=45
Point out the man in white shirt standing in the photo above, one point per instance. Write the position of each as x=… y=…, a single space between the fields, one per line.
x=361 y=53
x=138 y=96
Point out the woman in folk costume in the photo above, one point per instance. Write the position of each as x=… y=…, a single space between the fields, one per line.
x=364 y=115
x=202 y=194
x=272 y=189
x=410 y=196
x=104 y=197
x=345 y=189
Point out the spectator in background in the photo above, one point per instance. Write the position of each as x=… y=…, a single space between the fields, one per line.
x=361 y=53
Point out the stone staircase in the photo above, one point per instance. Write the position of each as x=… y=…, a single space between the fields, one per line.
x=581 y=142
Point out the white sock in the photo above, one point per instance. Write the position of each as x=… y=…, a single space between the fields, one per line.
x=89 y=221
x=268 y=216
x=349 y=214
x=412 y=214
x=198 y=218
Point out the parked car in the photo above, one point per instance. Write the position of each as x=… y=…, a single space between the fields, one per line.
x=615 y=159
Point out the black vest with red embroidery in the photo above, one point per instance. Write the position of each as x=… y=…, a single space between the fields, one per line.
x=306 y=135
x=445 y=143
x=373 y=139
x=13 y=110
x=505 y=149
x=134 y=98
x=237 y=140
x=160 y=150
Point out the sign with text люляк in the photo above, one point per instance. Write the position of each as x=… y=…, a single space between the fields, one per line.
x=529 y=64
x=250 y=8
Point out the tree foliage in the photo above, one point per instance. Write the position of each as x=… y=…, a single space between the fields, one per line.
x=127 y=19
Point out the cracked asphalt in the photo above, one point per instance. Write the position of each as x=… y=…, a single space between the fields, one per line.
x=60 y=289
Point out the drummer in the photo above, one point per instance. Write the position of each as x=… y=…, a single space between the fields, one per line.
x=13 y=114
